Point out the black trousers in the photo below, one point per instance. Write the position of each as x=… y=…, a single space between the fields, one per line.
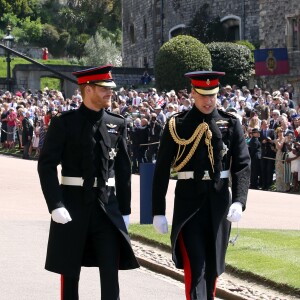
x=105 y=239
x=267 y=171
x=198 y=252
x=255 y=173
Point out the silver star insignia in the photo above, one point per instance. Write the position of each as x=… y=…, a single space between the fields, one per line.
x=112 y=153
x=225 y=149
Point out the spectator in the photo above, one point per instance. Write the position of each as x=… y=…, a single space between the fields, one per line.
x=161 y=117
x=4 y=115
x=27 y=135
x=155 y=131
x=281 y=185
x=255 y=154
x=262 y=110
x=294 y=160
x=268 y=154
x=11 y=128
x=45 y=53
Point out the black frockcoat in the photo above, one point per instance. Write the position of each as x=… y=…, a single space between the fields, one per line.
x=191 y=194
x=69 y=142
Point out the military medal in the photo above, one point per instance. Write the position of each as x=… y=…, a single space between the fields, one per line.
x=224 y=150
x=112 y=153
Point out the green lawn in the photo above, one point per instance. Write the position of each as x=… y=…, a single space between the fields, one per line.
x=19 y=61
x=273 y=255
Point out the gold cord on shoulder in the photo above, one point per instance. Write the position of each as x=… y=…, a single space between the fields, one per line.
x=196 y=137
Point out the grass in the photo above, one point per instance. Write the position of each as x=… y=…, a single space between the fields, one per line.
x=272 y=256
x=21 y=61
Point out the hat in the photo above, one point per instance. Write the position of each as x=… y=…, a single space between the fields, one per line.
x=255 y=130
x=100 y=76
x=228 y=87
x=205 y=82
x=276 y=95
x=157 y=107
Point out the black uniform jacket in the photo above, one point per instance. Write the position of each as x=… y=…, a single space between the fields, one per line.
x=69 y=142
x=230 y=152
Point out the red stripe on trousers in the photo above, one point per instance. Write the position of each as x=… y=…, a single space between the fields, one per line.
x=186 y=266
x=215 y=288
x=62 y=281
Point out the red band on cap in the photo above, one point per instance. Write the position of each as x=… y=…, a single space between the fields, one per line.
x=205 y=83
x=95 y=77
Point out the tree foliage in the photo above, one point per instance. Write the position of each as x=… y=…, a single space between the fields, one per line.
x=101 y=51
x=178 y=56
x=70 y=24
x=205 y=28
x=233 y=59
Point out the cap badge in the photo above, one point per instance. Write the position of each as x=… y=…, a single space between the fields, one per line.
x=208 y=82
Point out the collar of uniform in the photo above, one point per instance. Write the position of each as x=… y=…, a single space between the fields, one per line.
x=195 y=113
x=91 y=114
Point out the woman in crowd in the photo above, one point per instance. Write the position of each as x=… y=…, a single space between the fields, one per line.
x=3 y=120
x=11 y=128
x=281 y=186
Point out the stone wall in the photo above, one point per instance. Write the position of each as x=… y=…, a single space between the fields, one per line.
x=273 y=33
x=143 y=21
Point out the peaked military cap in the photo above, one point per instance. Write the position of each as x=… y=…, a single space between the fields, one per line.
x=205 y=82
x=99 y=75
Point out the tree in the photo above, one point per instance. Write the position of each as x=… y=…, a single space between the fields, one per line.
x=205 y=28
x=176 y=57
x=234 y=60
x=101 y=51
x=31 y=31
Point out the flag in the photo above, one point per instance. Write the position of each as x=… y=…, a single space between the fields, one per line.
x=271 y=61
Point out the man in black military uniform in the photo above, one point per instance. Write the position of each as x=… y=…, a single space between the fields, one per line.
x=90 y=207
x=204 y=146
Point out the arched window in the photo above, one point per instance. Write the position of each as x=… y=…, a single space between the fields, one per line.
x=232 y=26
x=177 y=30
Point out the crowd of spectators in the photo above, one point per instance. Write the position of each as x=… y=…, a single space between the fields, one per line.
x=270 y=120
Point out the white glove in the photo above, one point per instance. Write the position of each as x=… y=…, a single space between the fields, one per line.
x=160 y=223
x=61 y=215
x=126 y=221
x=235 y=212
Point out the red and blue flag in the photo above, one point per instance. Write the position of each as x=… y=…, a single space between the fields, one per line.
x=271 y=61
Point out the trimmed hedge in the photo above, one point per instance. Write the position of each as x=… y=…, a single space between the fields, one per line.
x=176 y=57
x=234 y=60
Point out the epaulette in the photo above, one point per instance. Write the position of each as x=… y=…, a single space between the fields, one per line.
x=65 y=113
x=114 y=114
x=226 y=114
x=179 y=114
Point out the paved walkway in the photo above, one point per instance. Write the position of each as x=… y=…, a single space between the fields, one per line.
x=23 y=243
x=265 y=210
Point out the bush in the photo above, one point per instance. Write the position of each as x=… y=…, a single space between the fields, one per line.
x=250 y=46
x=176 y=57
x=234 y=60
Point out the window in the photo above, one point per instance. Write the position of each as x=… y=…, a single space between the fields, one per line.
x=293 y=35
x=132 y=34
x=145 y=29
x=232 y=26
